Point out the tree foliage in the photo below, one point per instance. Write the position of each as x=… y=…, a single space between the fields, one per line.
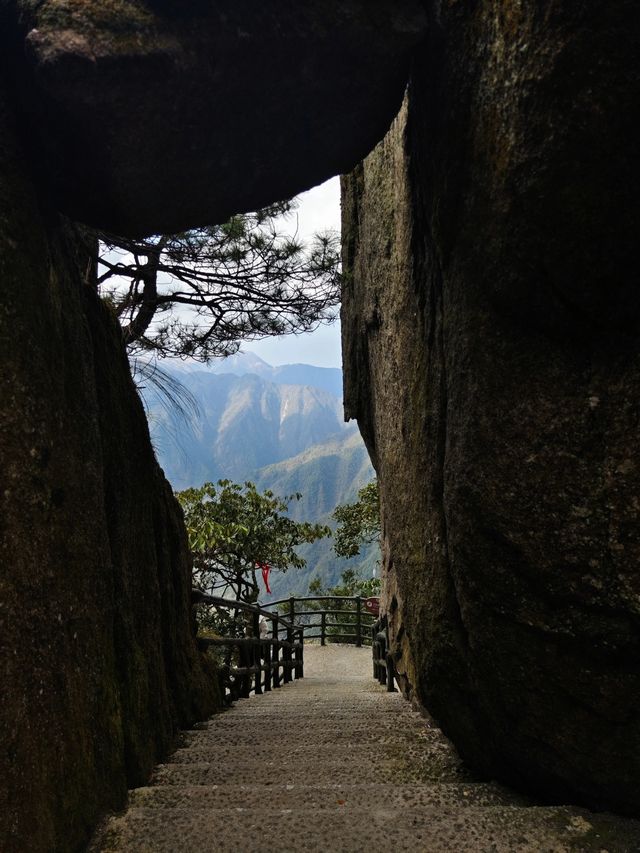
x=358 y=523
x=200 y=293
x=232 y=528
x=350 y=584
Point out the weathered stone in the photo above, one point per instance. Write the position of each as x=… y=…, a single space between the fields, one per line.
x=491 y=324
x=154 y=116
x=98 y=662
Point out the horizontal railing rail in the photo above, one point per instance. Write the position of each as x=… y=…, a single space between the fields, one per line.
x=315 y=598
x=264 y=662
x=359 y=612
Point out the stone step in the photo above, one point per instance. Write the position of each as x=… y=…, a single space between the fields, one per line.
x=333 y=731
x=288 y=698
x=306 y=710
x=332 y=734
x=296 y=726
x=473 y=829
x=438 y=769
x=329 y=796
x=335 y=714
x=312 y=753
x=332 y=711
x=299 y=745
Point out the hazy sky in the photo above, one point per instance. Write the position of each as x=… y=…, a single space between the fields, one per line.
x=319 y=209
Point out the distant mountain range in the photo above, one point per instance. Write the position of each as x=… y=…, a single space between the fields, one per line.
x=243 y=363
x=326 y=475
x=281 y=427
x=241 y=423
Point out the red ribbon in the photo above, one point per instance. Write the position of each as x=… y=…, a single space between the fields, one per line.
x=265 y=575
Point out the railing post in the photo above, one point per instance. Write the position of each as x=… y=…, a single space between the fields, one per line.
x=300 y=655
x=287 y=656
x=292 y=609
x=267 y=663
x=224 y=684
x=275 y=660
x=359 y=621
x=323 y=627
x=390 y=685
x=245 y=657
x=374 y=649
x=382 y=651
x=257 y=653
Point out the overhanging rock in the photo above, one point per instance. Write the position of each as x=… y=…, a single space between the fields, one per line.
x=148 y=118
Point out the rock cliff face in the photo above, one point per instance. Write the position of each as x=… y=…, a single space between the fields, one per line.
x=491 y=320
x=99 y=665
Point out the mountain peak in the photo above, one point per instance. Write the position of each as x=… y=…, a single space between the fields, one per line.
x=246 y=363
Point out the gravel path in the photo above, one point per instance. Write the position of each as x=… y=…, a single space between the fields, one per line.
x=334 y=763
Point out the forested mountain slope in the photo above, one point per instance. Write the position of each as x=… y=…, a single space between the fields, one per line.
x=326 y=475
x=287 y=437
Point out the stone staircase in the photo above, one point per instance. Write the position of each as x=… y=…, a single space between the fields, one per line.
x=334 y=763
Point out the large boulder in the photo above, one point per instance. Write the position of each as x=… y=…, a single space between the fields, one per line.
x=154 y=116
x=98 y=656
x=492 y=354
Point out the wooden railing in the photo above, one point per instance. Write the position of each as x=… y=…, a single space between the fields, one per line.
x=264 y=661
x=267 y=661
x=327 y=625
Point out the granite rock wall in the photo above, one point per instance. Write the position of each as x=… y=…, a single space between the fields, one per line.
x=492 y=320
x=97 y=654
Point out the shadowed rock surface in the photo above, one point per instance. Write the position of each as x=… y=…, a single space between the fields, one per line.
x=154 y=116
x=98 y=663
x=491 y=320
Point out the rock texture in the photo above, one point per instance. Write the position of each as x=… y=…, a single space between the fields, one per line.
x=152 y=116
x=98 y=662
x=491 y=322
